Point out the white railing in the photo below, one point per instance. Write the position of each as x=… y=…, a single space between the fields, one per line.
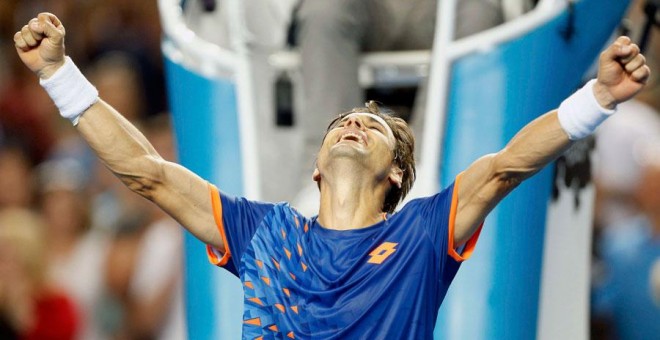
x=187 y=47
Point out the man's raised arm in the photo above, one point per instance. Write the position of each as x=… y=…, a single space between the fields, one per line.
x=622 y=73
x=121 y=147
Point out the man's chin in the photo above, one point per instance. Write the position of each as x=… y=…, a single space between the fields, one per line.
x=347 y=154
x=347 y=149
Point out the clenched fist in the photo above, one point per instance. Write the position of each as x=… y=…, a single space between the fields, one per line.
x=622 y=73
x=40 y=44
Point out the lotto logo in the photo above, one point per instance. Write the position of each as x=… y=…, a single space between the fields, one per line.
x=381 y=253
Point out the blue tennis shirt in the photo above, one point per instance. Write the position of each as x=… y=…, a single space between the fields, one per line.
x=304 y=281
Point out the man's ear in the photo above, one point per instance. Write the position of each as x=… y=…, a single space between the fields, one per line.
x=316 y=176
x=396 y=176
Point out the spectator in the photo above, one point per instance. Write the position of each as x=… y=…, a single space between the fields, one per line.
x=23 y=111
x=131 y=28
x=617 y=173
x=145 y=288
x=630 y=249
x=117 y=78
x=77 y=253
x=30 y=305
x=16 y=177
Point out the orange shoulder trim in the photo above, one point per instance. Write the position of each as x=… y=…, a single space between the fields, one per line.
x=214 y=255
x=472 y=242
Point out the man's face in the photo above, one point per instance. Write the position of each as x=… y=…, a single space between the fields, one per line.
x=363 y=137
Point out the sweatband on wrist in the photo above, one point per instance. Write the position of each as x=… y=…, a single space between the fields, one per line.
x=580 y=114
x=72 y=93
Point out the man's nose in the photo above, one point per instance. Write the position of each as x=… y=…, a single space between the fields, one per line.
x=355 y=121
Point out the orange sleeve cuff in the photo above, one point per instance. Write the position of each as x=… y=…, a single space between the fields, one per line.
x=472 y=242
x=215 y=256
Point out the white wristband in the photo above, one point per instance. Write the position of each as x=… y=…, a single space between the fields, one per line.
x=580 y=114
x=70 y=90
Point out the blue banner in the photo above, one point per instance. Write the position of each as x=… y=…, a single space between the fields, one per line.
x=205 y=119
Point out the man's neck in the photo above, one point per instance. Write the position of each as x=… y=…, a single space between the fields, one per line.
x=351 y=198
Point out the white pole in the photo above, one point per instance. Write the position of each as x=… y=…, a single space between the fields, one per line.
x=246 y=105
x=436 y=101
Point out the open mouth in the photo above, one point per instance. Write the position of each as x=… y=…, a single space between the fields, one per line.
x=352 y=137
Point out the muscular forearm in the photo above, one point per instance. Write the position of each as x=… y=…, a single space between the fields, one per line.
x=119 y=145
x=488 y=180
x=547 y=137
x=537 y=144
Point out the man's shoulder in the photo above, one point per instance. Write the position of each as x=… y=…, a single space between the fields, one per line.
x=419 y=203
x=283 y=212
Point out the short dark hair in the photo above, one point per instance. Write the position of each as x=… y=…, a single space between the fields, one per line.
x=404 y=150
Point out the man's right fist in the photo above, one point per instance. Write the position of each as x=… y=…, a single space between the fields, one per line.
x=40 y=44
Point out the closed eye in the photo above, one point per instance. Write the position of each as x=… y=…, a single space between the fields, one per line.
x=378 y=128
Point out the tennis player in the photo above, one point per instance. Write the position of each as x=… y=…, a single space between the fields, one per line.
x=358 y=269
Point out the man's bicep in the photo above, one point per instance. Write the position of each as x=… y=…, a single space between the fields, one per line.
x=480 y=190
x=188 y=199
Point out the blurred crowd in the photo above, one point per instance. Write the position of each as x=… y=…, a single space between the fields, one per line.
x=81 y=257
x=625 y=297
